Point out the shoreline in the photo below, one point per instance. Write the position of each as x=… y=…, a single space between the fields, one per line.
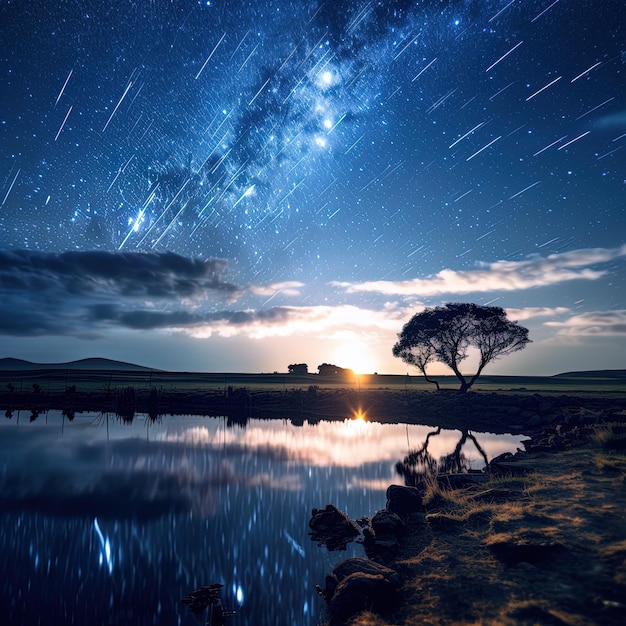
x=542 y=545
x=513 y=411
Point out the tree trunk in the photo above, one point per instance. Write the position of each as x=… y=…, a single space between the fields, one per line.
x=474 y=377
x=464 y=385
x=429 y=380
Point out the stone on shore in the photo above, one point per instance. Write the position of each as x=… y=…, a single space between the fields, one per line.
x=332 y=527
x=357 y=584
x=404 y=499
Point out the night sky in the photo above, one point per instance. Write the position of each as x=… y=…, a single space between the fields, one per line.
x=236 y=186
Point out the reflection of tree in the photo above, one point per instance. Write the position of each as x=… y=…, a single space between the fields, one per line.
x=419 y=466
x=153 y=405
x=126 y=404
x=208 y=599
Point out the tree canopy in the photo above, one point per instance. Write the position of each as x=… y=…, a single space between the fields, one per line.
x=446 y=333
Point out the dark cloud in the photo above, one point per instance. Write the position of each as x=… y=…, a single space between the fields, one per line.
x=145 y=319
x=76 y=293
x=82 y=294
x=155 y=275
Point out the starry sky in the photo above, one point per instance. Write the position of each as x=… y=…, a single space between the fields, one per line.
x=236 y=186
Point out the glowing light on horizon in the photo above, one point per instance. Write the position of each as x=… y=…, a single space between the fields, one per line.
x=356 y=357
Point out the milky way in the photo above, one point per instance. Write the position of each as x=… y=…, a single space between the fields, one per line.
x=316 y=141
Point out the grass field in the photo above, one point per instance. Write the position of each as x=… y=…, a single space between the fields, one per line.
x=100 y=380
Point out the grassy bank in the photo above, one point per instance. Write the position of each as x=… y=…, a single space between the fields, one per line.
x=56 y=380
x=547 y=547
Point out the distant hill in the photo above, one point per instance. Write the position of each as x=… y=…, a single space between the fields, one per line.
x=82 y=364
x=593 y=374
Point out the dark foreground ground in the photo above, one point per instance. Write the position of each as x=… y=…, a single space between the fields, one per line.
x=496 y=404
x=541 y=542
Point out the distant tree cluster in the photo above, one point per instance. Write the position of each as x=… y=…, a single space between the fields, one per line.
x=446 y=333
x=328 y=369
x=325 y=369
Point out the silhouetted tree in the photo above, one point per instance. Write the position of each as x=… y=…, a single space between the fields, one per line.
x=445 y=334
x=328 y=369
x=298 y=368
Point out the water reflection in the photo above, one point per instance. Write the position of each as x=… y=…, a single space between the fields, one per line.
x=116 y=525
x=420 y=464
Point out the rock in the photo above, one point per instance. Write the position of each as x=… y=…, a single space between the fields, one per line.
x=386 y=522
x=508 y=464
x=497 y=495
x=332 y=527
x=383 y=548
x=443 y=521
x=460 y=481
x=357 y=584
x=404 y=499
x=536 y=615
x=360 y=591
x=359 y=564
x=513 y=552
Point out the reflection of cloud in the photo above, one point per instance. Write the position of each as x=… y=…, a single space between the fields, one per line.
x=375 y=484
x=599 y=323
x=535 y=271
x=290 y=482
x=121 y=479
x=186 y=466
x=349 y=443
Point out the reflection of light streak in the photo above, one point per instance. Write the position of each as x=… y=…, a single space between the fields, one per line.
x=105 y=547
x=238 y=593
x=294 y=544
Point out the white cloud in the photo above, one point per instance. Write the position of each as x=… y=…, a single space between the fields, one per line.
x=531 y=312
x=288 y=288
x=536 y=271
x=594 y=324
x=318 y=321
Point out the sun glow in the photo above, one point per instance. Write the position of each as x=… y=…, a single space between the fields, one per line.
x=357 y=425
x=355 y=357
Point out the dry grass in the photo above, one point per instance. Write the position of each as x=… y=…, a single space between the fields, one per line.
x=573 y=507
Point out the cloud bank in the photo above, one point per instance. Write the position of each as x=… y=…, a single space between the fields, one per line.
x=594 y=324
x=88 y=294
x=535 y=271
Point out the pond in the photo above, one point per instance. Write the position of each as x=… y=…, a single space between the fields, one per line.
x=106 y=522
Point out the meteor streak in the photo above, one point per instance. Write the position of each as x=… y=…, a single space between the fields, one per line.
x=210 y=55
x=469 y=158
x=63 y=123
x=543 y=88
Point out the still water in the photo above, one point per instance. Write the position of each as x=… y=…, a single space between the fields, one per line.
x=109 y=523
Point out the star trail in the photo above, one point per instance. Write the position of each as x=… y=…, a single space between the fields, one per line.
x=325 y=144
